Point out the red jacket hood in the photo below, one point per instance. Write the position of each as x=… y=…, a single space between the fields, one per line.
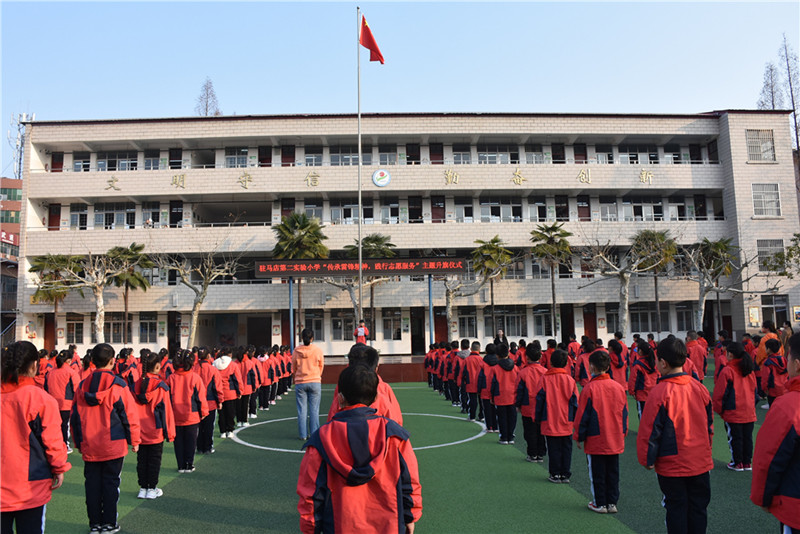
x=96 y=389
x=146 y=388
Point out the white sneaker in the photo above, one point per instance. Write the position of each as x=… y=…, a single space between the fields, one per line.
x=765 y=406
x=142 y=493
x=230 y=434
x=154 y=493
x=278 y=397
x=245 y=424
x=253 y=416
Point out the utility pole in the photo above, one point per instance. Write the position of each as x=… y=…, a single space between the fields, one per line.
x=16 y=139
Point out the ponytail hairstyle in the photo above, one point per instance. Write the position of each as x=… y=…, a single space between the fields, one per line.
x=202 y=353
x=769 y=325
x=737 y=352
x=53 y=354
x=87 y=361
x=646 y=353
x=17 y=359
x=238 y=354
x=183 y=360
x=149 y=360
x=62 y=357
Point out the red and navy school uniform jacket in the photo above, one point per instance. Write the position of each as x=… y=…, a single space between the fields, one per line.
x=735 y=395
x=573 y=351
x=750 y=348
x=458 y=368
x=104 y=418
x=720 y=358
x=245 y=372
x=441 y=364
x=452 y=358
x=689 y=369
x=643 y=379
x=698 y=356
x=581 y=372
x=602 y=418
x=472 y=368
x=128 y=371
x=617 y=370
x=624 y=350
x=521 y=358
x=166 y=368
x=266 y=378
x=86 y=373
x=677 y=428
x=527 y=388
x=777 y=376
x=776 y=461
x=229 y=380
x=556 y=403
x=212 y=383
x=485 y=376
x=385 y=404
x=76 y=362
x=32 y=445
x=359 y=474
x=188 y=397
x=544 y=361
x=45 y=366
x=62 y=383
x=288 y=356
x=156 y=417
x=504 y=383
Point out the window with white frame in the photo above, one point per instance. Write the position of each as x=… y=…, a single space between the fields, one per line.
x=500 y=209
x=642 y=208
x=513 y=320
x=760 y=145
x=151 y=214
x=516 y=270
x=534 y=154
x=313 y=208
x=343 y=324
x=612 y=316
x=390 y=210
x=605 y=153
x=464 y=209
x=314 y=320
x=151 y=160
x=542 y=321
x=344 y=211
x=148 y=322
x=767 y=249
x=539 y=271
x=114 y=215
x=537 y=208
x=467 y=322
x=347 y=155
x=113 y=327
x=387 y=154
x=392 y=328
x=643 y=317
x=766 y=200
x=117 y=161
x=497 y=153
x=313 y=155
x=235 y=157
x=461 y=154
x=685 y=315
x=80 y=161
x=74 y=329
x=775 y=308
x=78 y=214
x=608 y=208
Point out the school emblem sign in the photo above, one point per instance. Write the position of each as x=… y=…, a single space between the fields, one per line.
x=381 y=178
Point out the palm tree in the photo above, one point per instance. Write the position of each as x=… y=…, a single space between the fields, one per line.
x=372 y=246
x=130 y=278
x=299 y=238
x=551 y=247
x=715 y=261
x=657 y=248
x=491 y=260
x=52 y=287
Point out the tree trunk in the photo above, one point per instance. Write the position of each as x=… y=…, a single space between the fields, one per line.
x=719 y=311
x=553 y=323
x=100 y=315
x=701 y=308
x=351 y=290
x=624 y=298
x=198 y=302
x=448 y=307
x=658 y=307
x=494 y=319
x=125 y=339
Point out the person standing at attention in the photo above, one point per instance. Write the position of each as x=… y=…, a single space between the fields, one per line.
x=307 y=362
x=361 y=333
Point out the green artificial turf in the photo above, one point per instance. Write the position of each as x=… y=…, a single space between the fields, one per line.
x=475 y=486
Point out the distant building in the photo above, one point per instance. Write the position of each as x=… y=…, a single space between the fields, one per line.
x=10 y=207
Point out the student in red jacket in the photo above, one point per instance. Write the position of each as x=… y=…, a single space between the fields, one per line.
x=34 y=457
x=581 y=372
x=697 y=354
x=472 y=369
x=484 y=388
x=734 y=400
x=618 y=366
x=675 y=436
x=266 y=379
x=385 y=404
x=104 y=422
x=556 y=404
x=601 y=424
x=776 y=373
x=504 y=389
x=254 y=374
x=127 y=368
x=643 y=375
x=720 y=354
x=529 y=379
x=552 y=345
x=229 y=379
x=776 y=462
x=452 y=369
x=361 y=333
x=45 y=366
x=520 y=356
x=212 y=391
x=242 y=362
x=157 y=424
x=359 y=472
x=189 y=406
x=62 y=383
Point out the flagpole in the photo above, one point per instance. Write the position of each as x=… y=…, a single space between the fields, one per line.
x=360 y=211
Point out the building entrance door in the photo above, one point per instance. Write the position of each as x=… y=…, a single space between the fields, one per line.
x=259 y=331
x=54 y=217
x=418 y=331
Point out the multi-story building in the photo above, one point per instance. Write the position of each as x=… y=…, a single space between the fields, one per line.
x=10 y=207
x=193 y=185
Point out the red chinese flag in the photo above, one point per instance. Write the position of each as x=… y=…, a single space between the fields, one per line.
x=368 y=41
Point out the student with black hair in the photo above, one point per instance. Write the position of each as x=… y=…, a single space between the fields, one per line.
x=231 y=386
x=34 y=457
x=618 y=369
x=644 y=375
x=359 y=472
x=674 y=438
x=44 y=367
x=484 y=388
x=734 y=400
x=472 y=369
x=212 y=390
x=504 y=389
x=127 y=368
x=157 y=422
x=308 y=363
x=189 y=406
x=529 y=379
x=453 y=368
x=776 y=374
x=720 y=353
x=62 y=383
x=601 y=425
x=581 y=371
x=462 y=356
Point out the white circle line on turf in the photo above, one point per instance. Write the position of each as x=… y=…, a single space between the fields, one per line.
x=240 y=441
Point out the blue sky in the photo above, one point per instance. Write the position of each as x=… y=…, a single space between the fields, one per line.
x=100 y=60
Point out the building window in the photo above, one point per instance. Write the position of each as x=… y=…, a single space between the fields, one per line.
x=9 y=216
x=713 y=152
x=151 y=214
x=74 y=329
x=562 y=207
x=494 y=153
x=612 y=317
x=314 y=320
x=534 y=154
x=464 y=209
x=151 y=160
x=10 y=194
x=343 y=325
x=767 y=249
x=775 y=308
x=542 y=321
x=347 y=155
x=685 y=316
x=643 y=317
x=8 y=249
x=766 y=200
x=672 y=153
x=113 y=327
x=313 y=156
x=608 y=208
x=605 y=154
x=461 y=154
x=642 y=208
x=115 y=215
x=390 y=210
x=387 y=154
x=513 y=320
x=313 y=208
x=344 y=211
x=391 y=324
x=78 y=216
x=760 y=145
x=516 y=270
x=235 y=157
x=540 y=271
x=80 y=161
x=147 y=327
x=467 y=322
x=501 y=209
x=117 y=161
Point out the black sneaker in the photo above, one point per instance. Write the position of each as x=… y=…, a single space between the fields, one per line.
x=555 y=479
x=564 y=479
x=94 y=529
x=110 y=528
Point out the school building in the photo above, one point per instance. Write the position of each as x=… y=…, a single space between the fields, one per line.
x=434 y=183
